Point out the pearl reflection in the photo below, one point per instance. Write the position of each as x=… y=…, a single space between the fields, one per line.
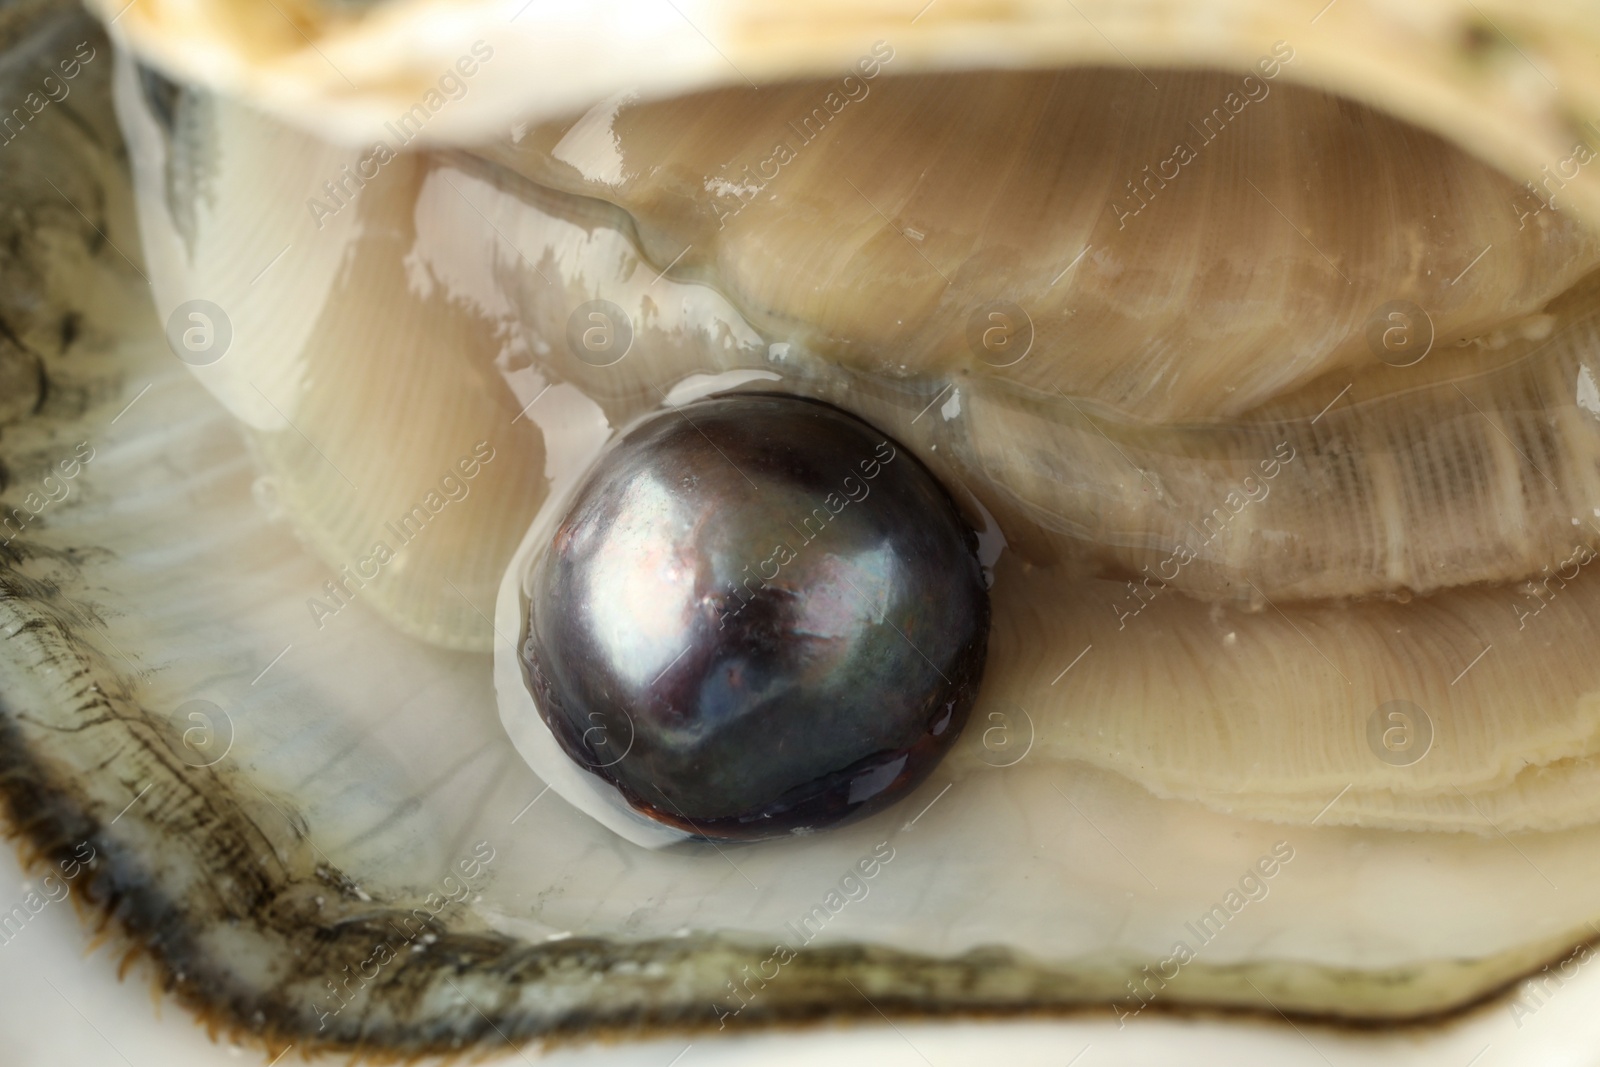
x=640 y=592
x=849 y=594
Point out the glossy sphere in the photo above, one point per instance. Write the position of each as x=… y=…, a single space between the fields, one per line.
x=759 y=616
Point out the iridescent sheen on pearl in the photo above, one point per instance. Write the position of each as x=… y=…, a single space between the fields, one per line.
x=759 y=616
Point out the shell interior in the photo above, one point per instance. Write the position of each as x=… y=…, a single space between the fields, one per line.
x=1186 y=764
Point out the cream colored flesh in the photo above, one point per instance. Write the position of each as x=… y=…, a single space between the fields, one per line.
x=440 y=293
x=1227 y=256
x=1376 y=481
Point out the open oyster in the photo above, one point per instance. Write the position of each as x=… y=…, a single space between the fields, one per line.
x=1258 y=343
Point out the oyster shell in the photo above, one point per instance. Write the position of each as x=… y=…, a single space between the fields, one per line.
x=377 y=342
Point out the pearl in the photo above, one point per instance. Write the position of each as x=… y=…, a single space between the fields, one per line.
x=759 y=616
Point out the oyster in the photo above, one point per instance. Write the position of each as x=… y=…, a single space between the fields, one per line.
x=1275 y=618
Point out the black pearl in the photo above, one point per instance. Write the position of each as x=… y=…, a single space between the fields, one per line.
x=759 y=616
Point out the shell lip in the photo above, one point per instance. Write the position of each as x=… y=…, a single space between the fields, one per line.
x=45 y=821
x=1517 y=96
